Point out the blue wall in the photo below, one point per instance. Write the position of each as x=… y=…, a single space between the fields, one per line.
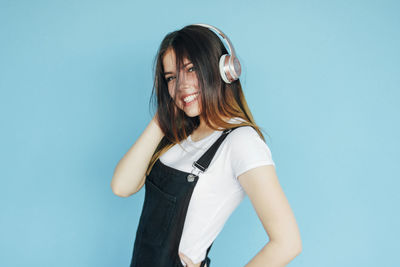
x=322 y=78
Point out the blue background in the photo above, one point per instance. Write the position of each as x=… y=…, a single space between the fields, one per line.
x=322 y=78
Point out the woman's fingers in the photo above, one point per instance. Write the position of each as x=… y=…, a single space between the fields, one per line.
x=189 y=262
x=186 y=260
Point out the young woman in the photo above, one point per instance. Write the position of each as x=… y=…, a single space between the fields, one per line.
x=199 y=156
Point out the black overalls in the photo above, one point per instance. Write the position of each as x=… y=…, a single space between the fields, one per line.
x=167 y=196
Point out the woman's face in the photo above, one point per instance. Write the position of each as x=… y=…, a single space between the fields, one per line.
x=187 y=96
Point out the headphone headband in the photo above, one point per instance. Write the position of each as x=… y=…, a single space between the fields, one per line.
x=229 y=65
x=227 y=40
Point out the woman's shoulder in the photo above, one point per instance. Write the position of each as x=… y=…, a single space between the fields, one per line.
x=246 y=149
x=242 y=132
x=244 y=135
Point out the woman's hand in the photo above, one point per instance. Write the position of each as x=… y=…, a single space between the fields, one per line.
x=189 y=262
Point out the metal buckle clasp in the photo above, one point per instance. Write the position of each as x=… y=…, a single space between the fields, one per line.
x=191 y=177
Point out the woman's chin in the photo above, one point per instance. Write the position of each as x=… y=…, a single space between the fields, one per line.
x=192 y=114
x=191 y=111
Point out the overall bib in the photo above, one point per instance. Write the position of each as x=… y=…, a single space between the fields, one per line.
x=167 y=197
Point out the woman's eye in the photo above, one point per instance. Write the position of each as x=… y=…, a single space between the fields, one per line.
x=191 y=69
x=168 y=79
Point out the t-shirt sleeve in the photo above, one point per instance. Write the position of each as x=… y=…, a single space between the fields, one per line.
x=247 y=150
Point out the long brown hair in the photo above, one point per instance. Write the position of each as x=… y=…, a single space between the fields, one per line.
x=203 y=48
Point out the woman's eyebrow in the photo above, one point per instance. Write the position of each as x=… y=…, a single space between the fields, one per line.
x=168 y=72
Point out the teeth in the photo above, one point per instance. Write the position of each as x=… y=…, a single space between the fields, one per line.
x=190 y=98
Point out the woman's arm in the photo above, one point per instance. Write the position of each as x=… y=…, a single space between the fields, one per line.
x=262 y=186
x=129 y=174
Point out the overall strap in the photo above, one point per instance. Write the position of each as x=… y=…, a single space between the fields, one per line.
x=205 y=160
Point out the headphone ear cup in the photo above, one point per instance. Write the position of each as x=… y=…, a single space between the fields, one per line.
x=237 y=68
x=223 y=67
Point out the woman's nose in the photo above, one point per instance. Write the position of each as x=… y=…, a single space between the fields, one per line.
x=184 y=81
x=183 y=77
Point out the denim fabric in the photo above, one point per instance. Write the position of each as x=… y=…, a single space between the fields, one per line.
x=167 y=197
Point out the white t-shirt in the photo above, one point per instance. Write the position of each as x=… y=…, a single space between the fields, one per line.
x=218 y=191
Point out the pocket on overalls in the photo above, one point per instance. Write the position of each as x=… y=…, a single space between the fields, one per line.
x=158 y=210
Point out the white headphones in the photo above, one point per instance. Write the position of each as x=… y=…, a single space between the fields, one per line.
x=229 y=65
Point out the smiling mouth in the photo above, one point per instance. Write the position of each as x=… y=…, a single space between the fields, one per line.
x=187 y=100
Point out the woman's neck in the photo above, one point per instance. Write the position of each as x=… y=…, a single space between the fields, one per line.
x=202 y=131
